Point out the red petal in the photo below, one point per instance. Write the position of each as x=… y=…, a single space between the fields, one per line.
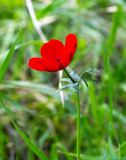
x=47 y=65
x=52 y=49
x=51 y=65
x=36 y=64
x=69 y=50
x=55 y=56
x=71 y=45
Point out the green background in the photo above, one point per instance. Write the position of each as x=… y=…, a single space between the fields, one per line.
x=32 y=97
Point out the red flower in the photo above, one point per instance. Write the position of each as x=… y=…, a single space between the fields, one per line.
x=55 y=55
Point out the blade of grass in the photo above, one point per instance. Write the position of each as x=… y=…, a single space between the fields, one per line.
x=30 y=85
x=83 y=157
x=25 y=44
x=27 y=141
x=6 y=62
x=107 y=65
x=54 y=154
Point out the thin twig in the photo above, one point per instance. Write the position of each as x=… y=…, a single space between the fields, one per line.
x=35 y=21
x=38 y=26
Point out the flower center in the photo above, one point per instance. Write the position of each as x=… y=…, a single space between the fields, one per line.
x=58 y=60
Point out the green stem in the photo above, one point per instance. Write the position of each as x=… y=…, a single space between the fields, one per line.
x=78 y=115
x=78 y=124
x=69 y=76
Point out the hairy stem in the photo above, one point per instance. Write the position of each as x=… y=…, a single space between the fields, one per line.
x=78 y=114
x=71 y=78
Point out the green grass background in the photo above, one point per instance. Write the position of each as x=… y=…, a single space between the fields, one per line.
x=33 y=122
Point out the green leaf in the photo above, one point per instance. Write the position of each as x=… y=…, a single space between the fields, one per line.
x=67 y=80
x=71 y=86
x=6 y=62
x=89 y=75
x=26 y=139
x=75 y=76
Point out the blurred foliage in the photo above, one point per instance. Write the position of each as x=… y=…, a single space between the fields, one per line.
x=33 y=97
